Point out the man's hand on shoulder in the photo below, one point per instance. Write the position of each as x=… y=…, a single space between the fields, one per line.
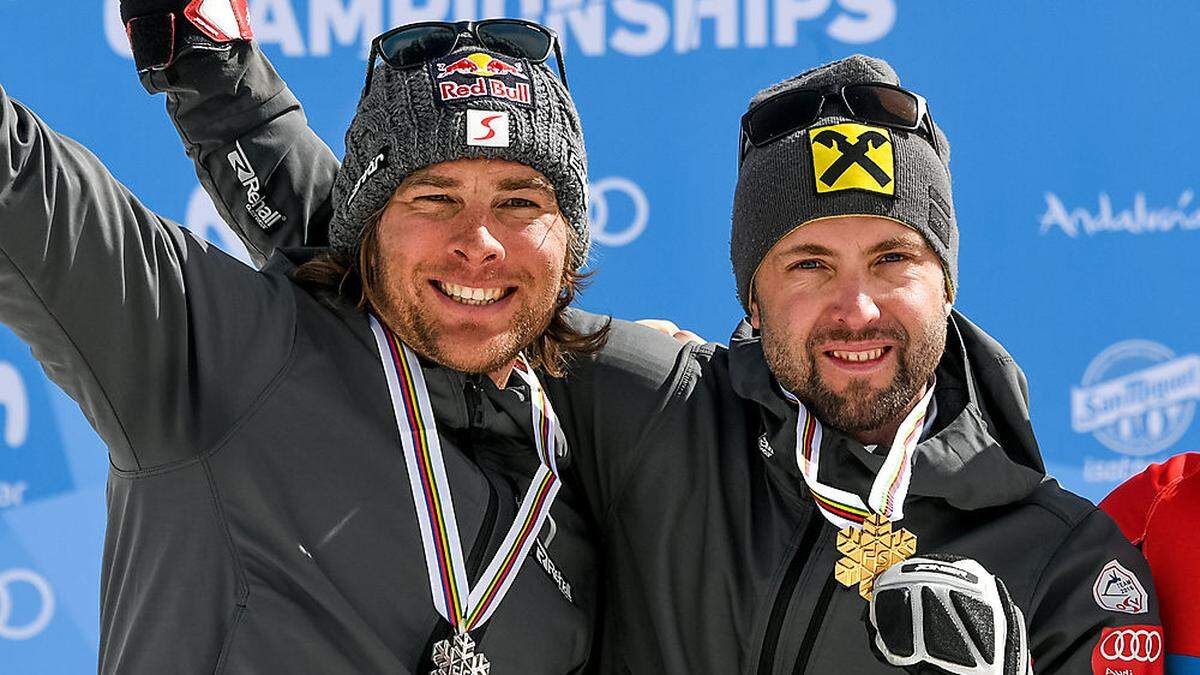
x=669 y=328
x=159 y=29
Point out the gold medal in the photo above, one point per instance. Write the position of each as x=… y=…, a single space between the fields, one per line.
x=869 y=551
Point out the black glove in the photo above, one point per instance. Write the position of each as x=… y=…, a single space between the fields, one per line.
x=947 y=614
x=159 y=28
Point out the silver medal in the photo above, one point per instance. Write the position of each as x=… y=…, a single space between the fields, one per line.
x=456 y=656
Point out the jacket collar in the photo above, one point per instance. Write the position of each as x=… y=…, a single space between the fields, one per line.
x=980 y=452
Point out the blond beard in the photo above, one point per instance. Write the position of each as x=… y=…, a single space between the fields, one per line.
x=417 y=327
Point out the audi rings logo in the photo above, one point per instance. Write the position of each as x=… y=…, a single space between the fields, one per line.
x=1144 y=645
x=24 y=623
x=619 y=211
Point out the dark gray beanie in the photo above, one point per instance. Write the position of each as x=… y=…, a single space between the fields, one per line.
x=777 y=187
x=448 y=109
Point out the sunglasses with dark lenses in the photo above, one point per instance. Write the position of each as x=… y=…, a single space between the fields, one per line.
x=877 y=103
x=418 y=43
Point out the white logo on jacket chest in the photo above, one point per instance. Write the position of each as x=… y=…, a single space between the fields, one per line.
x=543 y=558
x=764 y=446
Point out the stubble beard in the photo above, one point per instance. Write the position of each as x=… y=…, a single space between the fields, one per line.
x=417 y=326
x=858 y=409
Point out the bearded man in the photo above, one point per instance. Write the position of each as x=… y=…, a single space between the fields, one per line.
x=748 y=499
x=345 y=463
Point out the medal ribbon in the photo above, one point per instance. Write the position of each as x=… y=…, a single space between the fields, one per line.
x=463 y=606
x=886 y=498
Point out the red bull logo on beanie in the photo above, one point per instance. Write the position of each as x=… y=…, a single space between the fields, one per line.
x=481 y=75
x=481 y=64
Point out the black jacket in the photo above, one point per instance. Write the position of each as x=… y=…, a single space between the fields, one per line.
x=715 y=559
x=260 y=517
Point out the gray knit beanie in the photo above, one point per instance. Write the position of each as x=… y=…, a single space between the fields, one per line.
x=798 y=178
x=473 y=103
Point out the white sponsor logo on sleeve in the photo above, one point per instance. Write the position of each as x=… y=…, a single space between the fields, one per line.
x=265 y=216
x=1132 y=644
x=1118 y=590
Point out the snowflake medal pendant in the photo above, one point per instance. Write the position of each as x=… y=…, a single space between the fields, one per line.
x=456 y=656
x=869 y=551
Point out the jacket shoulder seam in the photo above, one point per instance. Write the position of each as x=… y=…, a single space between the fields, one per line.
x=243 y=588
x=90 y=371
x=1062 y=544
x=268 y=389
x=684 y=372
x=1158 y=499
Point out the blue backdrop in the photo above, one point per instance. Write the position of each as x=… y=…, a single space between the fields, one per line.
x=1074 y=177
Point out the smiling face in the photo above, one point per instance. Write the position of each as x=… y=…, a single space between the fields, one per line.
x=469 y=259
x=852 y=312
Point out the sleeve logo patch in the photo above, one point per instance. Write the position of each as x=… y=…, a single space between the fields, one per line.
x=477 y=75
x=1129 y=650
x=265 y=216
x=1118 y=590
x=852 y=156
x=488 y=128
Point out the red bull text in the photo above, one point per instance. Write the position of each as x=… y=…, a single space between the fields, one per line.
x=453 y=91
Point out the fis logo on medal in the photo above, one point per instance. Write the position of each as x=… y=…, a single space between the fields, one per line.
x=852 y=156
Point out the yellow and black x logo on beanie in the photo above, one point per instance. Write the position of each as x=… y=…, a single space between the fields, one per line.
x=851 y=156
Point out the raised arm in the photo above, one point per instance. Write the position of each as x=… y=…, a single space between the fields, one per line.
x=269 y=175
x=160 y=338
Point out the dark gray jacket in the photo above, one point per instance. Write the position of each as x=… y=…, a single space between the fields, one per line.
x=715 y=559
x=260 y=518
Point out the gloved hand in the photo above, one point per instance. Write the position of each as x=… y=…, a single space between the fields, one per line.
x=947 y=614
x=159 y=28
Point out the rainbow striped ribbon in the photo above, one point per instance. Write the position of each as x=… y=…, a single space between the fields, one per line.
x=463 y=606
x=886 y=498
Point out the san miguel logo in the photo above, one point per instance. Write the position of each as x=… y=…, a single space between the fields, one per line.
x=1137 y=397
x=852 y=156
x=479 y=75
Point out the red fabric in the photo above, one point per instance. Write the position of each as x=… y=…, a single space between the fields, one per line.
x=1160 y=510
x=194 y=11
x=1129 y=650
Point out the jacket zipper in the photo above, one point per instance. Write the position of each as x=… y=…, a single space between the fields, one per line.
x=473 y=393
x=814 y=625
x=474 y=561
x=787 y=587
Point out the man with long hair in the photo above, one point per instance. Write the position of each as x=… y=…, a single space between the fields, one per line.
x=344 y=463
